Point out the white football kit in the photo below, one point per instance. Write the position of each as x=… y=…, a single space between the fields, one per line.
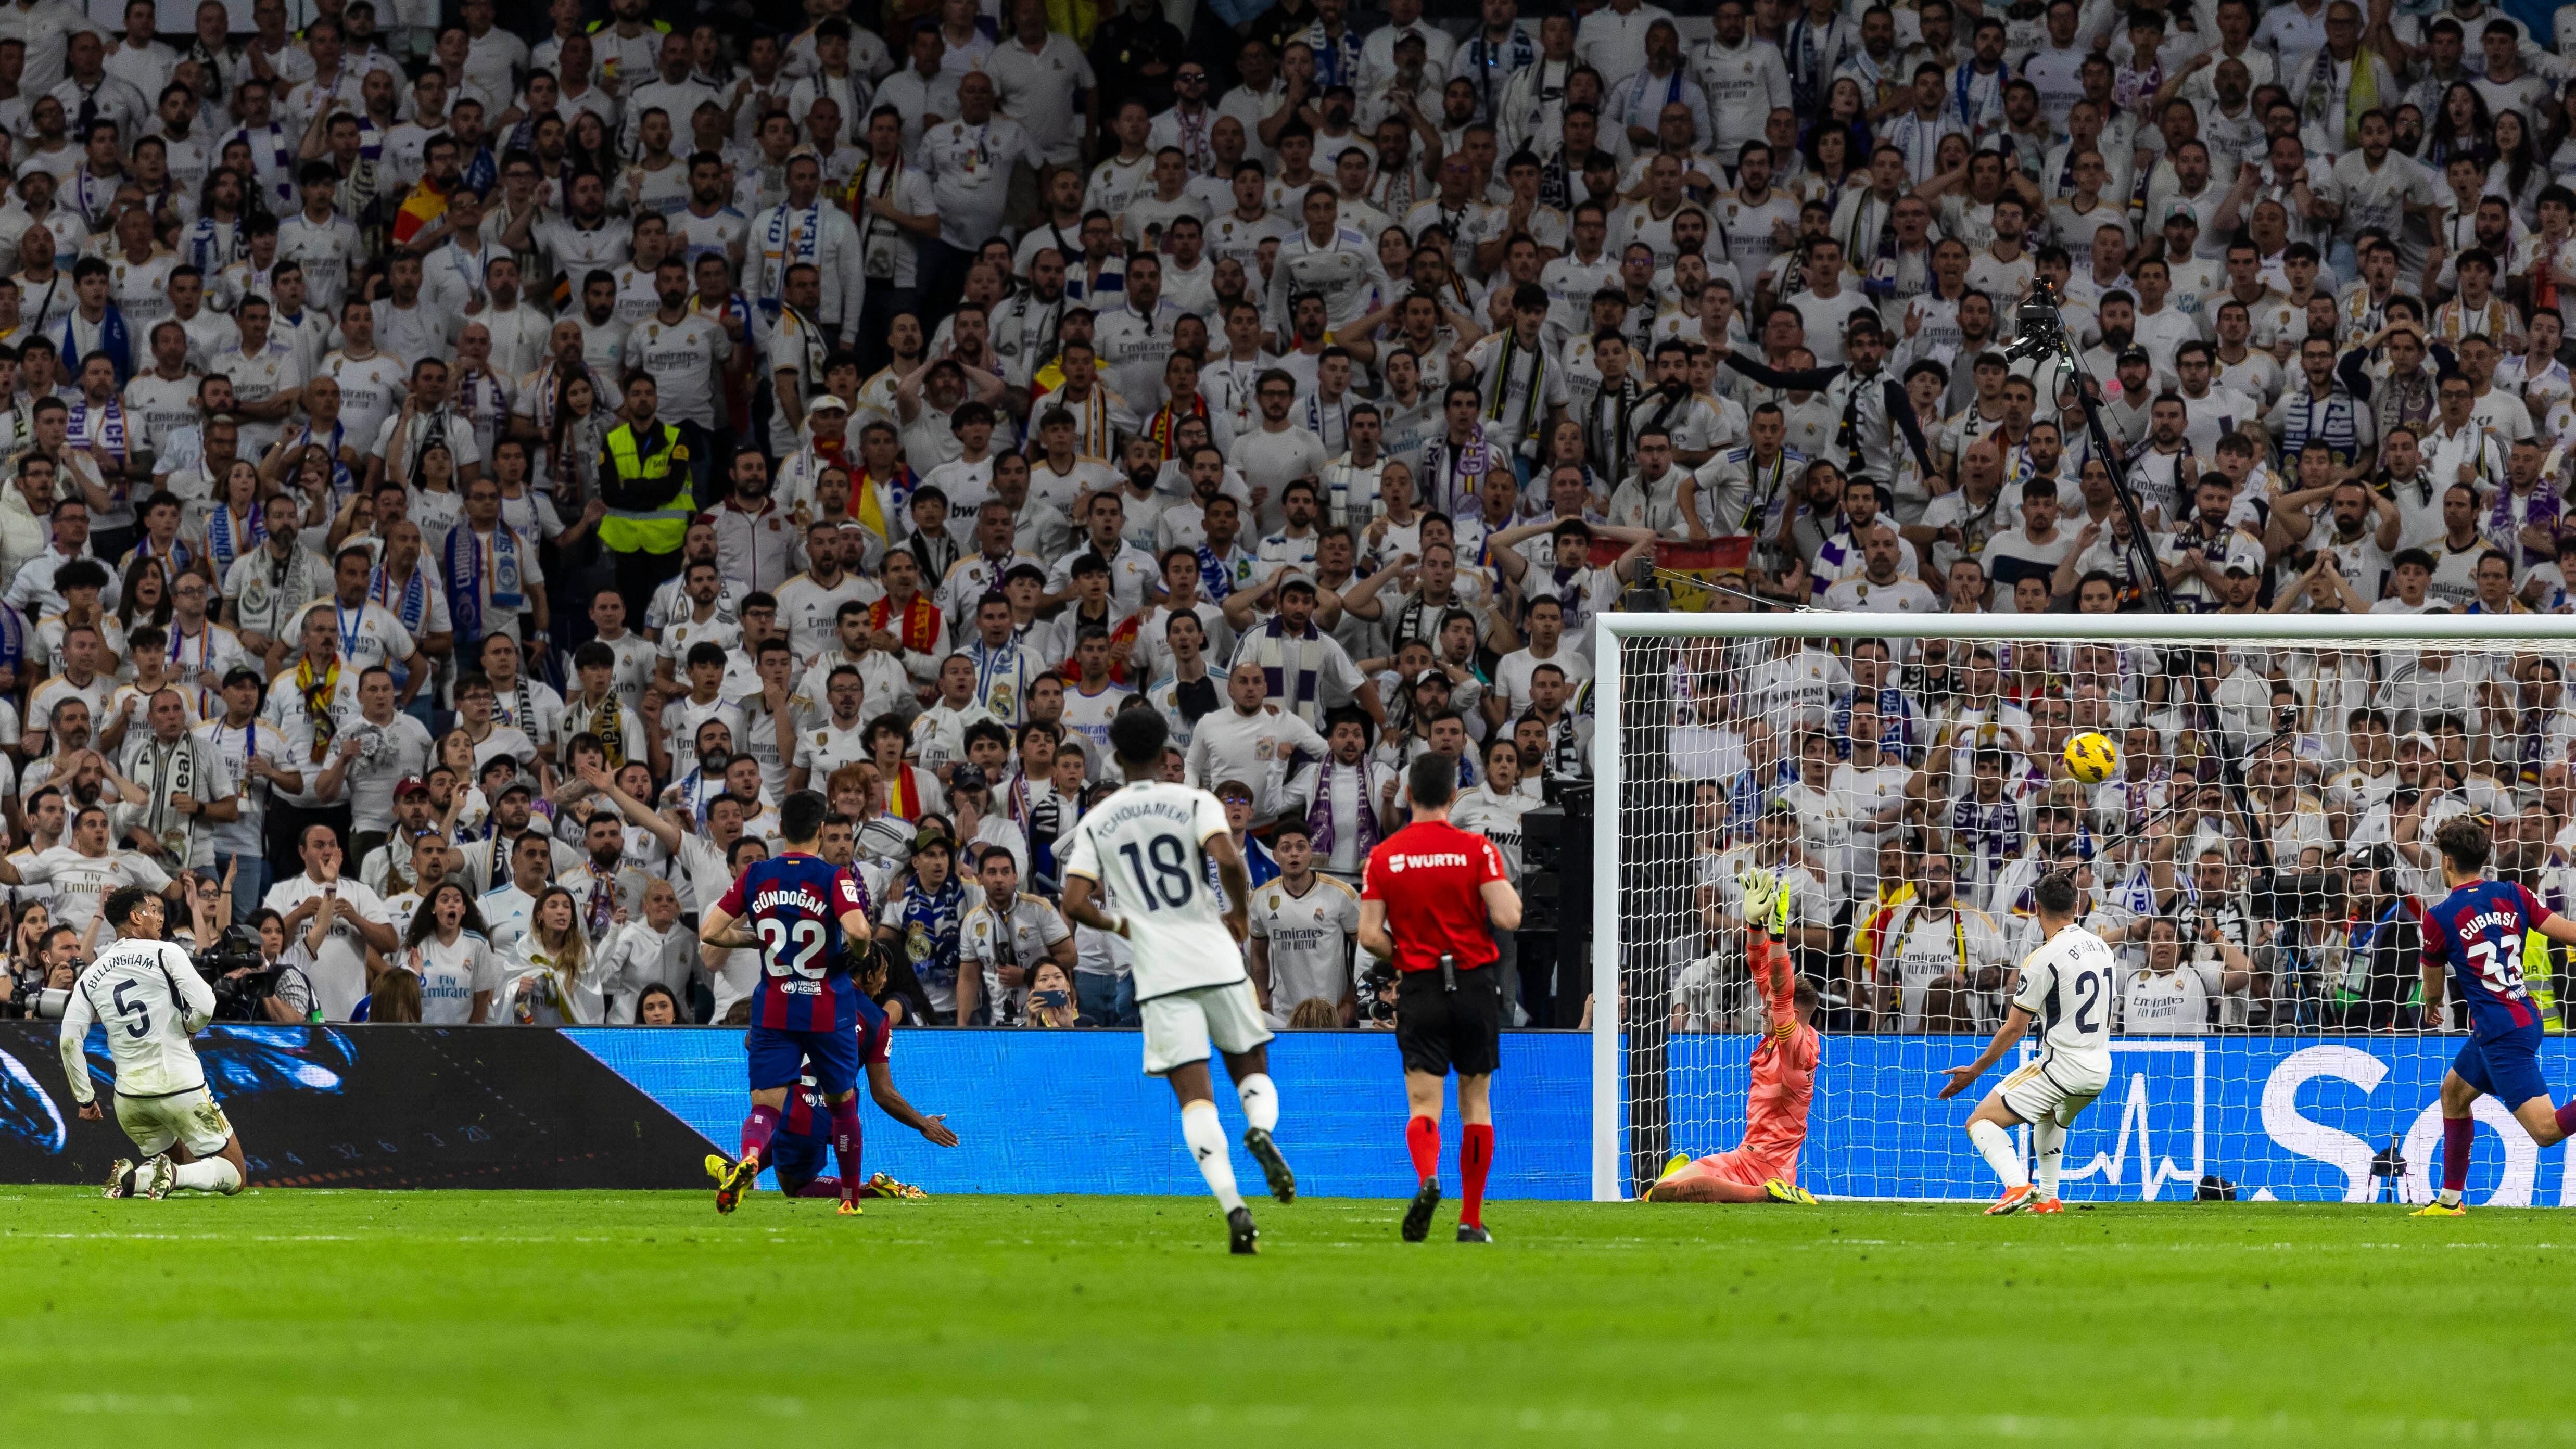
x=1146 y=848
x=2069 y=985
x=151 y=1000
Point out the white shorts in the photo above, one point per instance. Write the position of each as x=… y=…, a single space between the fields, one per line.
x=2053 y=1091
x=190 y=1118
x=1180 y=1027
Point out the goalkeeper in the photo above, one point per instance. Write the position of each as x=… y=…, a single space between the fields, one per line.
x=1765 y=1167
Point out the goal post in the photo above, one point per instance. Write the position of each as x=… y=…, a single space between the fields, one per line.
x=2258 y=858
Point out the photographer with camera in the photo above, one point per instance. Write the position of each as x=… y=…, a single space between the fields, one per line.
x=151 y=997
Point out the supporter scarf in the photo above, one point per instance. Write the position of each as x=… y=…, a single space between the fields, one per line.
x=317 y=692
x=920 y=627
x=786 y=244
x=112 y=340
x=214 y=245
x=1270 y=652
x=930 y=922
x=1319 y=816
x=2541 y=506
x=1503 y=382
x=1965 y=82
x=410 y=605
x=173 y=775
x=227 y=540
x=608 y=721
x=465 y=570
x=282 y=161
x=1167 y=420
x=2360 y=98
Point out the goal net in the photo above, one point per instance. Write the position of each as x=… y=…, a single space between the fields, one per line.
x=2259 y=857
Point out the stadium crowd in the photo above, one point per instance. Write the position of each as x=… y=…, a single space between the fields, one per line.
x=461 y=480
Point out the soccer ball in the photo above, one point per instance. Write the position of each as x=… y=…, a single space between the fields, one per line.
x=2091 y=757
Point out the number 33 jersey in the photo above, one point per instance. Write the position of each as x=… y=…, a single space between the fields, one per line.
x=2476 y=933
x=794 y=904
x=2068 y=985
x=1145 y=848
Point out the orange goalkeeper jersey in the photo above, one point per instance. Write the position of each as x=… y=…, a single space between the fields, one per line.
x=1784 y=1082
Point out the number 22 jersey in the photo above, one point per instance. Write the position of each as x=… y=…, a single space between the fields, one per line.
x=794 y=904
x=1144 y=847
x=2476 y=933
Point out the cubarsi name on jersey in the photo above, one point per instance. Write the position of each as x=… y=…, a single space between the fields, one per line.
x=2469 y=928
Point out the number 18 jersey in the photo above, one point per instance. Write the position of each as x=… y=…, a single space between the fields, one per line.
x=2477 y=933
x=1145 y=848
x=2068 y=984
x=794 y=904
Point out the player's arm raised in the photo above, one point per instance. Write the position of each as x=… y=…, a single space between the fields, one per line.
x=2016 y=1024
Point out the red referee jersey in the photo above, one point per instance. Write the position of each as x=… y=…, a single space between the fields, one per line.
x=1431 y=876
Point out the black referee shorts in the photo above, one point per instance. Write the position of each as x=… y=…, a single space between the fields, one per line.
x=1440 y=1031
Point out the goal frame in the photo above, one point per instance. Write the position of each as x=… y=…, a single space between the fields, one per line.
x=1611 y=630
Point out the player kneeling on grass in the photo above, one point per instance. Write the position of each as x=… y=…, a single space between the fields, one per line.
x=150 y=997
x=806 y=1012
x=2476 y=935
x=1765 y=1168
x=2066 y=987
x=1138 y=868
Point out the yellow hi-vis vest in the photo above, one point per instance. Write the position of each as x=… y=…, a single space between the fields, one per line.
x=648 y=530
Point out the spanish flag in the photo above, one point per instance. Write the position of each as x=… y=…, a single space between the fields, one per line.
x=424 y=206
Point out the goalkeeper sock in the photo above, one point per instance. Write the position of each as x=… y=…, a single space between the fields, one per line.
x=207 y=1174
x=2050 y=1140
x=1422 y=1139
x=1997 y=1145
x=2458 y=1134
x=1475 y=1155
x=845 y=1144
x=1205 y=1133
x=756 y=1130
x=1260 y=1100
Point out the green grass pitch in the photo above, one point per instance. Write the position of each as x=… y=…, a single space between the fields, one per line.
x=505 y=1319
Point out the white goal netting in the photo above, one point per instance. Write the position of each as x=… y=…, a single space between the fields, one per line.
x=2259 y=858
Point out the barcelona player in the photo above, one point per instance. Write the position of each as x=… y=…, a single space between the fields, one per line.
x=798 y=908
x=1765 y=1167
x=2475 y=936
x=798 y=1148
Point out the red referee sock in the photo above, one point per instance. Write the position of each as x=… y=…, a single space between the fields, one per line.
x=1475 y=1155
x=1422 y=1139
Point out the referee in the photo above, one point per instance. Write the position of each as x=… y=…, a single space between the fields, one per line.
x=1433 y=898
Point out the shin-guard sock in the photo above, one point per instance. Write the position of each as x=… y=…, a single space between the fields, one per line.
x=2567 y=1119
x=207 y=1174
x=2001 y=1155
x=2048 y=1140
x=1260 y=1098
x=1204 y=1131
x=1475 y=1156
x=2458 y=1134
x=845 y=1143
x=756 y=1130
x=819 y=1187
x=1422 y=1139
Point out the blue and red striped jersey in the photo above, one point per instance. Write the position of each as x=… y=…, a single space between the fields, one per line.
x=794 y=904
x=2476 y=933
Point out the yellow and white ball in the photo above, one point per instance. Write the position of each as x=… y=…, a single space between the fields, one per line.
x=2091 y=757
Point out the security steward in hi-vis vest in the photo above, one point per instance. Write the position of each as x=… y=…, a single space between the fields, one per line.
x=644 y=483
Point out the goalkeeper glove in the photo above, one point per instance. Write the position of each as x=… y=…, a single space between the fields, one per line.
x=1759 y=887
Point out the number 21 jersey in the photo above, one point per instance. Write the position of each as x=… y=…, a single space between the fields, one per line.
x=2068 y=984
x=1144 y=847
x=2476 y=933
x=794 y=904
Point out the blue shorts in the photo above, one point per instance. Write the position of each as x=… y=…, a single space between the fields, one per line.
x=2505 y=1066
x=799 y=1159
x=780 y=1056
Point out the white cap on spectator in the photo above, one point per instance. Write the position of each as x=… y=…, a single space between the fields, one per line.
x=827 y=404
